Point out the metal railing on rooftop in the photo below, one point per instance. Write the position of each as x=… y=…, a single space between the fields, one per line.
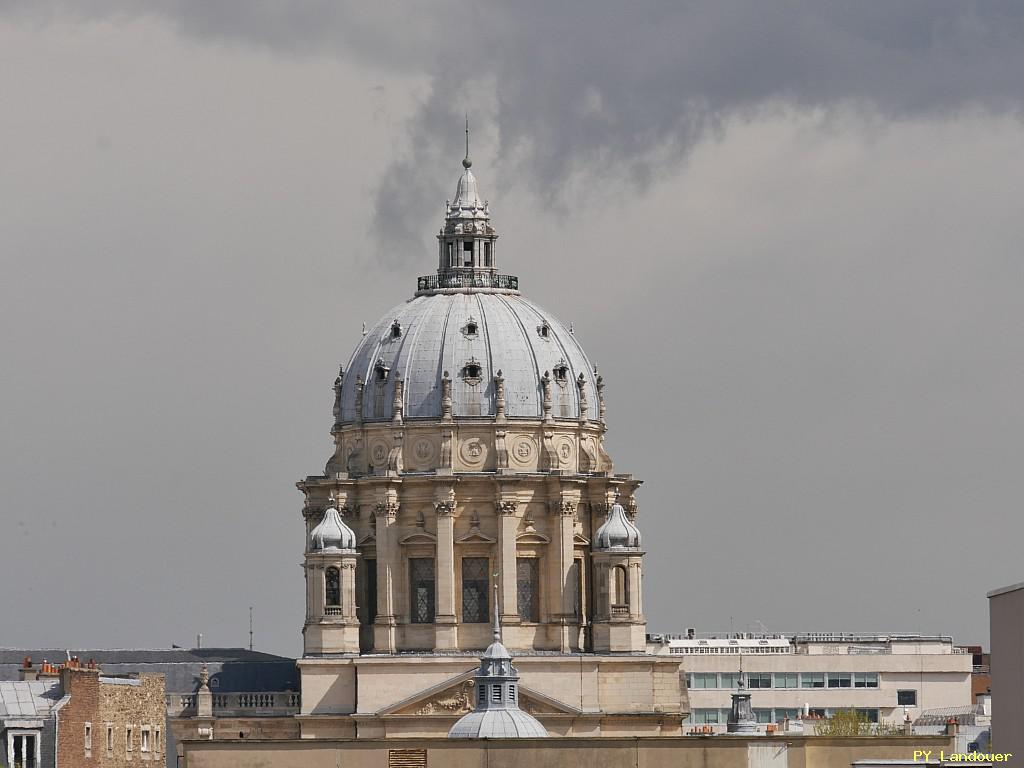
x=467 y=279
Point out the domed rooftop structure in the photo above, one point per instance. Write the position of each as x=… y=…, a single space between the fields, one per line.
x=469 y=324
x=617 y=532
x=331 y=533
x=497 y=714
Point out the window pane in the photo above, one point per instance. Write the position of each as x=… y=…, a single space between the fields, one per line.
x=759 y=680
x=475 y=603
x=333 y=583
x=906 y=698
x=763 y=715
x=839 y=679
x=865 y=680
x=812 y=680
x=421 y=582
x=527 y=598
x=730 y=680
x=785 y=680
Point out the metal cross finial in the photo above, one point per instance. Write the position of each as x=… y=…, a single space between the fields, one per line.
x=466 y=162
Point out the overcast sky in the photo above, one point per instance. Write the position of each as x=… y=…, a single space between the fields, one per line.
x=788 y=232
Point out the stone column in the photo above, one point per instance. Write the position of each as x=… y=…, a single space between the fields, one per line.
x=565 y=512
x=445 y=629
x=635 y=600
x=507 y=522
x=387 y=568
x=348 y=589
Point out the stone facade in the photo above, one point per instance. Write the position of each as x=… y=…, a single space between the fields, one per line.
x=559 y=752
x=106 y=722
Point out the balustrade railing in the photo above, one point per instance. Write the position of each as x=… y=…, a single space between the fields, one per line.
x=246 y=702
x=467 y=279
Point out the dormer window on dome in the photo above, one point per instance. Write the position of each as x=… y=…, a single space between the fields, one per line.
x=381 y=371
x=470 y=329
x=561 y=372
x=544 y=330
x=396 y=330
x=472 y=372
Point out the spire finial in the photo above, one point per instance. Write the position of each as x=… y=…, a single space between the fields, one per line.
x=497 y=623
x=466 y=162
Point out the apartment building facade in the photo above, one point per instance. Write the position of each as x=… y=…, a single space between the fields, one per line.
x=885 y=677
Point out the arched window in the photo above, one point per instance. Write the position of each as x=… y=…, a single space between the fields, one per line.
x=332 y=581
x=621 y=596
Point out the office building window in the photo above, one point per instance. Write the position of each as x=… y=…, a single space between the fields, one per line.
x=865 y=679
x=475 y=605
x=527 y=580
x=421 y=589
x=759 y=680
x=906 y=698
x=763 y=715
x=785 y=680
x=871 y=715
x=730 y=680
x=706 y=716
x=840 y=680
x=783 y=713
x=704 y=680
x=812 y=680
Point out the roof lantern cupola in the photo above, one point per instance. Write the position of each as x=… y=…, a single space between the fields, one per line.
x=331 y=533
x=497 y=713
x=467 y=241
x=617 y=532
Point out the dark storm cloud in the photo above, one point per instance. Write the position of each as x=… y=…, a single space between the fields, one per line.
x=605 y=87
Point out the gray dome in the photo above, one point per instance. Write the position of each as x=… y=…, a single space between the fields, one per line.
x=497 y=724
x=472 y=335
x=332 y=533
x=617 y=532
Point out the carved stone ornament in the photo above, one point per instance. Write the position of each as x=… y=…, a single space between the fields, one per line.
x=458 y=701
x=386 y=509
x=444 y=508
x=507 y=507
x=563 y=508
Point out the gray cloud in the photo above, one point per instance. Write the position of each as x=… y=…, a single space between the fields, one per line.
x=610 y=89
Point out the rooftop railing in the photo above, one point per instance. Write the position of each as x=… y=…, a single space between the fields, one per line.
x=467 y=279
x=244 y=703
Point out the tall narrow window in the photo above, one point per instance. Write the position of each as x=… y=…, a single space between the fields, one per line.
x=332 y=582
x=368 y=609
x=467 y=253
x=88 y=739
x=621 y=596
x=451 y=255
x=421 y=589
x=110 y=740
x=128 y=746
x=475 y=606
x=24 y=749
x=145 y=738
x=576 y=580
x=527 y=582
x=487 y=253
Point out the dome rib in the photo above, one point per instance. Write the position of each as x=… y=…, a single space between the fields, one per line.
x=535 y=391
x=433 y=341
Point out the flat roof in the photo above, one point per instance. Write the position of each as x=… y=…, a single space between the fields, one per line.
x=1004 y=590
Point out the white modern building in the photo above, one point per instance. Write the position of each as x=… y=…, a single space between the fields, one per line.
x=886 y=677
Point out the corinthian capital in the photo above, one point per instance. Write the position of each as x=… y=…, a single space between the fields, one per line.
x=444 y=508
x=386 y=509
x=507 y=507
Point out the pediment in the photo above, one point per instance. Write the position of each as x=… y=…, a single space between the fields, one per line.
x=532 y=537
x=369 y=540
x=420 y=537
x=580 y=540
x=475 y=536
x=454 y=697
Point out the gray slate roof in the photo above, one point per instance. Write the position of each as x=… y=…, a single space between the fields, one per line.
x=231 y=669
x=28 y=699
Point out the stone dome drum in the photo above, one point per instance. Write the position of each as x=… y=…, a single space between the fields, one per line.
x=472 y=334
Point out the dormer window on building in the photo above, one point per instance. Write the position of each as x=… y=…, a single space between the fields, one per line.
x=396 y=330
